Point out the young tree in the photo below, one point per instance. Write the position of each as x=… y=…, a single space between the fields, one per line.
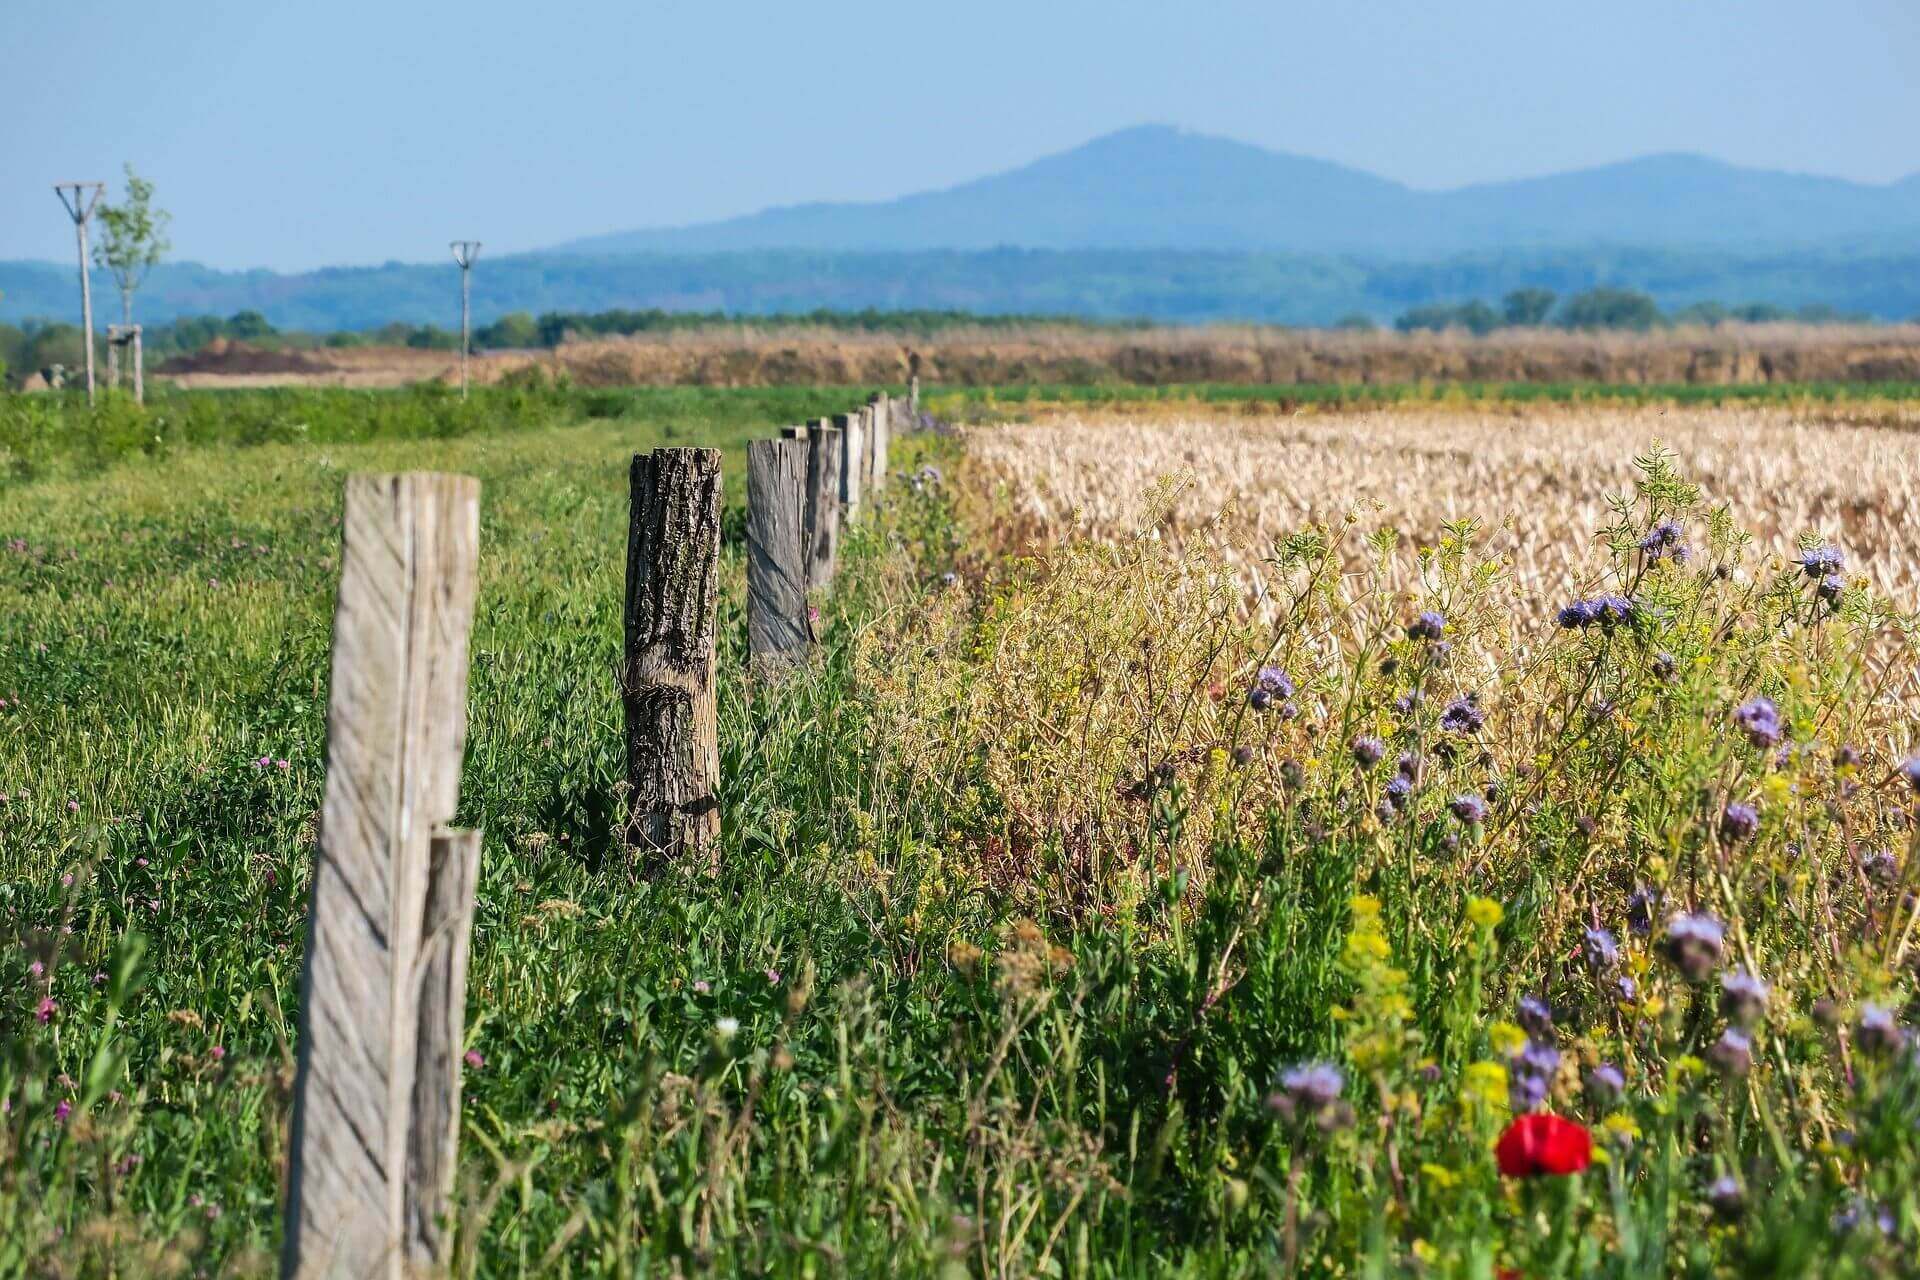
x=133 y=239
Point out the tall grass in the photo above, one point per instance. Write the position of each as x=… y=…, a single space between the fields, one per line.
x=1036 y=888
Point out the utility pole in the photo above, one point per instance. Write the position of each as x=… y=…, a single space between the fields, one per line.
x=464 y=252
x=80 y=199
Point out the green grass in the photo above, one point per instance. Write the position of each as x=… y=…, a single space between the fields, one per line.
x=1016 y=944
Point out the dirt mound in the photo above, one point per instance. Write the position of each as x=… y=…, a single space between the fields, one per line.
x=225 y=356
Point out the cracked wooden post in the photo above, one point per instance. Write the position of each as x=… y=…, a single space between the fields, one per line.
x=778 y=627
x=673 y=588
x=434 y=1150
x=396 y=729
x=850 y=455
x=823 y=507
x=882 y=433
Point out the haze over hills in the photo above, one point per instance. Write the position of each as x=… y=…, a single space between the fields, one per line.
x=1152 y=223
x=1156 y=187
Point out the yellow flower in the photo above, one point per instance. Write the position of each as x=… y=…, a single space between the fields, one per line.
x=1485 y=912
x=1507 y=1039
x=1686 y=1066
x=1364 y=906
x=1621 y=1125
x=1485 y=1083
x=1440 y=1176
x=1425 y=1253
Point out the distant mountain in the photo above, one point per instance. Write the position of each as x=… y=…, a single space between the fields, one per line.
x=1156 y=187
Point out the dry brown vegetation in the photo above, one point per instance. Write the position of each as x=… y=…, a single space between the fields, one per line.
x=986 y=357
x=1540 y=478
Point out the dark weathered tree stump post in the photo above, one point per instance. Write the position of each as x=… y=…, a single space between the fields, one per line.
x=777 y=624
x=396 y=726
x=851 y=455
x=823 y=507
x=673 y=577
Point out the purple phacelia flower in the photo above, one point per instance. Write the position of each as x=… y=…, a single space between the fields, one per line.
x=1822 y=560
x=1664 y=665
x=1860 y=1212
x=1831 y=588
x=1430 y=625
x=1880 y=866
x=1910 y=770
x=1470 y=809
x=1367 y=751
x=1725 y=1198
x=1526 y=1091
x=1535 y=1015
x=1732 y=1052
x=1743 y=996
x=1463 y=715
x=1577 y=615
x=1738 y=822
x=1875 y=1032
x=1398 y=791
x=1759 y=719
x=1625 y=989
x=1694 y=943
x=1605 y=1083
x=1600 y=949
x=1640 y=908
x=1307 y=1090
x=1610 y=609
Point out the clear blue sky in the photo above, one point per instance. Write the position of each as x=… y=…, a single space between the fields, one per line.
x=296 y=135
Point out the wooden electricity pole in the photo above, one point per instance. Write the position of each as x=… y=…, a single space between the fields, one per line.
x=80 y=199
x=464 y=252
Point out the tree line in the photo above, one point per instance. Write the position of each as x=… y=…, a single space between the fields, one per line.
x=1597 y=309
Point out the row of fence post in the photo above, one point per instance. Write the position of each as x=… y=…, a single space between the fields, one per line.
x=376 y=1108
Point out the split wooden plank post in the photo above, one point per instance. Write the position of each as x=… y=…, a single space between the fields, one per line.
x=377 y=1088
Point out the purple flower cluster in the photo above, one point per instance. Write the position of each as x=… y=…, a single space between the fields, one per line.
x=1823 y=561
x=1732 y=1052
x=1468 y=808
x=1600 y=949
x=1664 y=540
x=1876 y=1032
x=1759 y=719
x=1743 y=997
x=1605 y=1083
x=1603 y=610
x=1270 y=687
x=1738 y=822
x=1367 y=751
x=1531 y=1071
x=1311 y=1092
x=1463 y=715
x=1694 y=943
x=1428 y=626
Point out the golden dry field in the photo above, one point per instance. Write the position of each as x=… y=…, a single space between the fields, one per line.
x=1538 y=478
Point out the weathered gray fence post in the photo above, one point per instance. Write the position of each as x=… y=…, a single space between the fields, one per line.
x=851 y=461
x=396 y=728
x=882 y=433
x=794 y=433
x=673 y=588
x=434 y=1149
x=913 y=397
x=777 y=624
x=823 y=507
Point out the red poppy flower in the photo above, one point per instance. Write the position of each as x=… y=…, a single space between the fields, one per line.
x=1543 y=1144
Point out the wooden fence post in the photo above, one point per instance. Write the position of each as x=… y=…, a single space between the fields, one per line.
x=882 y=434
x=851 y=454
x=823 y=507
x=777 y=622
x=673 y=581
x=434 y=1149
x=396 y=728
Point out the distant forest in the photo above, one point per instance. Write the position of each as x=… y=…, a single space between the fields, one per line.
x=1164 y=286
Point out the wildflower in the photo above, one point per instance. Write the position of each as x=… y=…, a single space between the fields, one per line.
x=1408 y=766
x=1308 y=1090
x=473 y=1059
x=1743 y=997
x=1846 y=756
x=1662 y=536
x=1621 y=1128
x=1530 y=1075
x=1398 y=791
x=1738 y=822
x=1611 y=609
x=1484 y=1083
x=37 y=969
x=1875 y=1032
x=1367 y=752
x=1543 y=1144
x=1485 y=912
x=1640 y=906
x=1911 y=772
x=1880 y=866
x=1270 y=686
x=217 y=1052
x=1664 y=665
x=1848 y=1220
x=1725 y=1198
x=1428 y=626
x=1384 y=813
x=1693 y=943
x=62 y=1111
x=1463 y=715
x=1822 y=561
x=1600 y=949
x=701 y=986
x=773 y=977
x=1292 y=775
x=46 y=1009
x=1732 y=1052
x=1759 y=719
x=1468 y=808
x=726 y=1028
x=1535 y=1015
x=1831 y=587
x=1578 y=615
x=1605 y=1083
